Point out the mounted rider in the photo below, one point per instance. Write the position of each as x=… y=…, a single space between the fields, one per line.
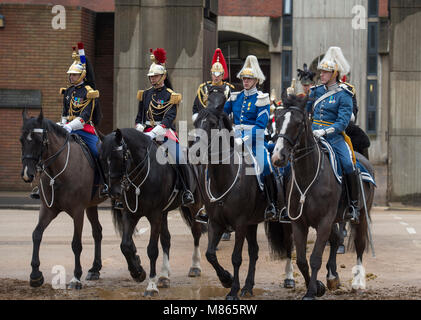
x=81 y=111
x=219 y=72
x=251 y=112
x=156 y=115
x=331 y=105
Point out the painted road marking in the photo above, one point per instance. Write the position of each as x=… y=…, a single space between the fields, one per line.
x=142 y=230
x=397 y=218
x=403 y=223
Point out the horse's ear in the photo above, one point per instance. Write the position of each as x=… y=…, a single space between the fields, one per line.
x=118 y=136
x=25 y=115
x=40 y=117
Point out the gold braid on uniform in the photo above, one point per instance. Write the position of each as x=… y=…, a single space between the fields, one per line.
x=155 y=109
x=200 y=94
x=79 y=108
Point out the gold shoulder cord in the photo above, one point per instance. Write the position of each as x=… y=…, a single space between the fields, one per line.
x=79 y=109
x=156 y=109
x=200 y=94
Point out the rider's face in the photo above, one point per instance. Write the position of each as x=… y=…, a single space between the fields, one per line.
x=216 y=79
x=249 y=83
x=73 y=77
x=325 y=76
x=154 y=79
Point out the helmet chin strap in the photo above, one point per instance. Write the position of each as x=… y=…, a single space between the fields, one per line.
x=81 y=78
x=160 y=81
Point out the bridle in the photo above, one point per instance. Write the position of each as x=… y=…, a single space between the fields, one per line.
x=125 y=176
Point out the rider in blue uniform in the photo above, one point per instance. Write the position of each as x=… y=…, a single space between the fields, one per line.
x=251 y=112
x=332 y=107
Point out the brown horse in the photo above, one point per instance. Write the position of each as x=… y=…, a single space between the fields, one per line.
x=66 y=184
x=315 y=198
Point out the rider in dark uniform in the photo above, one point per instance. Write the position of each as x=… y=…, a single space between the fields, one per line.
x=156 y=117
x=81 y=111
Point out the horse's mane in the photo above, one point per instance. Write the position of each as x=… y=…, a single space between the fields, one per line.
x=134 y=139
x=47 y=124
x=219 y=114
x=293 y=100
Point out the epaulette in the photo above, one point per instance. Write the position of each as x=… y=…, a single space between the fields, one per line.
x=140 y=95
x=262 y=99
x=229 y=84
x=63 y=90
x=234 y=95
x=175 y=97
x=347 y=86
x=91 y=93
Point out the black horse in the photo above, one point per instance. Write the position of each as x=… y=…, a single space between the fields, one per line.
x=315 y=198
x=66 y=184
x=232 y=198
x=148 y=188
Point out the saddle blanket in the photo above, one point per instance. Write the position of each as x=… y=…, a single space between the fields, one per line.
x=337 y=170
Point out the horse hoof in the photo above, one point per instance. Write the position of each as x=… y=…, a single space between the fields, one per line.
x=341 y=249
x=308 y=298
x=163 y=282
x=139 y=277
x=195 y=272
x=75 y=284
x=289 y=283
x=246 y=293
x=151 y=293
x=231 y=298
x=333 y=284
x=321 y=289
x=92 y=276
x=226 y=280
x=35 y=283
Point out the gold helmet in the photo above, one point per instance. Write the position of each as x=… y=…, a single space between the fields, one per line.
x=79 y=63
x=334 y=61
x=158 y=58
x=251 y=69
x=219 y=66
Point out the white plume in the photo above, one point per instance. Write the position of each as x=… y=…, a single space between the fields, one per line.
x=335 y=55
x=253 y=64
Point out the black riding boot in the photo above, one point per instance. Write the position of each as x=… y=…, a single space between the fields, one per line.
x=103 y=191
x=353 y=185
x=187 y=197
x=271 y=190
x=34 y=193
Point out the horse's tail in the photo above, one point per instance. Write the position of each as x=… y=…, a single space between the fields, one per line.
x=188 y=218
x=280 y=239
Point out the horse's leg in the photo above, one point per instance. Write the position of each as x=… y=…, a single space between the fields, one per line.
x=165 y=238
x=214 y=235
x=240 y=235
x=253 y=249
x=360 y=241
x=316 y=287
x=195 y=269
x=289 y=281
x=45 y=217
x=128 y=248
x=300 y=233
x=153 y=252
x=92 y=214
x=78 y=216
x=332 y=277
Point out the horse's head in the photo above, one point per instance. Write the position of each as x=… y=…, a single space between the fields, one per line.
x=291 y=121
x=34 y=142
x=115 y=159
x=211 y=122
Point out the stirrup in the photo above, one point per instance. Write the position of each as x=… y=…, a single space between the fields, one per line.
x=104 y=192
x=35 y=194
x=271 y=214
x=187 y=198
x=118 y=205
x=283 y=218
x=353 y=215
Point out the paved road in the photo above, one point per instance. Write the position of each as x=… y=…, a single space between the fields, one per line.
x=394 y=273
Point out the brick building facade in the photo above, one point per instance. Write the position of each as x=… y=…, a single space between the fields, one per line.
x=33 y=55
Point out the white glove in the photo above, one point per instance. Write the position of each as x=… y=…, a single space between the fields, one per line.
x=68 y=128
x=194 y=117
x=150 y=134
x=240 y=141
x=319 y=133
x=290 y=91
x=140 y=127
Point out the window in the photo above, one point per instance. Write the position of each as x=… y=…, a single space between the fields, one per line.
x=373 y=8
x=287 y=31
x=286 y=69
x=372 y=48
x=372 y=106
x=287 y=7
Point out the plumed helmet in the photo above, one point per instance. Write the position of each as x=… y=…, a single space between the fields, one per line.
x=219 y=66
x=305 y=76
x=251 y=69
x=158 y=58
x=334 y=61
x=79 y=62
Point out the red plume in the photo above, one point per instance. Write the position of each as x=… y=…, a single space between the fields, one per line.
x=160 y=55
x=218 y=56
x=343 y=79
